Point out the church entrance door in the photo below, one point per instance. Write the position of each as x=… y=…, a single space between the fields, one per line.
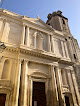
x=2 y=99
x=67 y=101
x=39 y=96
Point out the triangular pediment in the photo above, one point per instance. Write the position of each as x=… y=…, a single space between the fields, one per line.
x=38 y=22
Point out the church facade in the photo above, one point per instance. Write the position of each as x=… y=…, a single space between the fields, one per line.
x=41 y=63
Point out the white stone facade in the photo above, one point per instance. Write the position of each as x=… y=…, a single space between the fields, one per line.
x=35 y=52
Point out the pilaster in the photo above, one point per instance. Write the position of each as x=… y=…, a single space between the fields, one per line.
x=10 y=66
x=2 y=60
x=1 y=27
x=24 y=84
x=49 y=44
x=76 y=86
x=17 y=84
x=59 y=84
x=67 y=54
x=27 y=36
x=52 y=47
x=63 y=50
x=35 y=34
x=23 y=35
x=72 y=88
x=6 y=31
x=69 y=43
x=41 y=44
x=54 y=86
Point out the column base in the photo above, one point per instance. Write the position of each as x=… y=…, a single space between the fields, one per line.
x=76 y=105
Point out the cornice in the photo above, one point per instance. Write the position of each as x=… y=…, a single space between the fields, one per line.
x=66 y=61
x=10 y=13
x=22 y=19
x=36 y=25
x=39 y=53
x=11 y=49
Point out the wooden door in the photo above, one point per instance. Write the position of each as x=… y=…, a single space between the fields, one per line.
x=67 y=101
x=2 y=99
x=39 y=96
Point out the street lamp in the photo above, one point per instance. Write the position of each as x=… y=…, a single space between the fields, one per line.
x=2 y=47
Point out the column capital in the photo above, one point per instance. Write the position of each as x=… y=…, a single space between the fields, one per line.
x=68 y=70
x=1 y=18
x=57 y=67
x=28 y=26
x=49 y=34
x=23 y=24
x=72 y=72
x=35 y=33
x=20 y=61
x=1 y=58
x=6 y=20
x=26 y=60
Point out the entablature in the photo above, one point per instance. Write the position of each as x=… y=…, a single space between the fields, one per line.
x=40 y=54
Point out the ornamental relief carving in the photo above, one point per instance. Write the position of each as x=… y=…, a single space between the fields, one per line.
x=65 y=89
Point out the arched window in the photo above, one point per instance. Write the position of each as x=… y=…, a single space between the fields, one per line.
x=6 y=69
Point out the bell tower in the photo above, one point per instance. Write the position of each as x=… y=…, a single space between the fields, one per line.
x=58 y=22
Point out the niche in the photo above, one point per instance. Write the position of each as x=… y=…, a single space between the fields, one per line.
x=39 y=41
x=6 y=69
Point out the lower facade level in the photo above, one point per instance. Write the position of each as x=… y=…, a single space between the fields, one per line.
x=37 y=83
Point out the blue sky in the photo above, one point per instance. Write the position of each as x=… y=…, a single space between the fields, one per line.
x=31 y=8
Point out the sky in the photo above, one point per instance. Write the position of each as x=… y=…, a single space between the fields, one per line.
x=32 y=8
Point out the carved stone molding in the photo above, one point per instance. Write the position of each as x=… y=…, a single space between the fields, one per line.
x=6 y=86
x=12 y=49
x=65 y=89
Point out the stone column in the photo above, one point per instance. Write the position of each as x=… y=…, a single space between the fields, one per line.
x=24 y=84
x=69 y=43
x=67 y=54
x=35 y=34
x=17 y=84
x=52 y=44
x=54 y=86
x=59 y=84
x=23 y=35
x=31 y=92
x=6 y=31
x=76 y=87
x=1 y=27
x=2 y=60
x=72 y=88
x=9 y=72
x=63 y=50
x=49 y=44
x=27 y=36
x=58 y=71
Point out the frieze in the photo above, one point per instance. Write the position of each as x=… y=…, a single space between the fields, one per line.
x=39 y=53
x=16 y=50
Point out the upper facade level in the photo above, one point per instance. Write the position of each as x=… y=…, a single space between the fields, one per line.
x=58 y=22
x=32 y=34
